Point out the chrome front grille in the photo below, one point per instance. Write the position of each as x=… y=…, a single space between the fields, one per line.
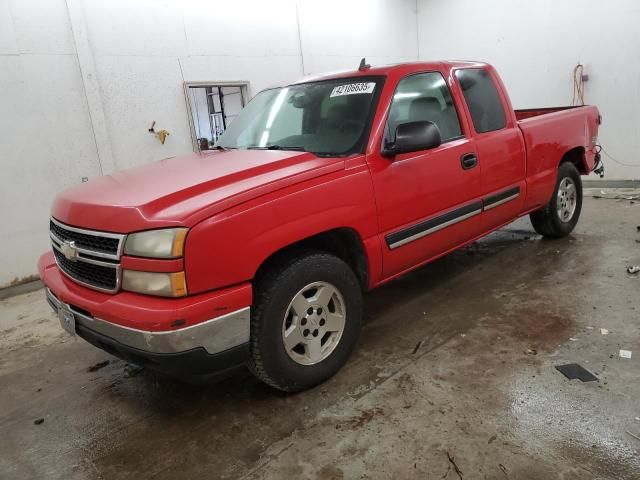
x=88 y=257
x=94 y=241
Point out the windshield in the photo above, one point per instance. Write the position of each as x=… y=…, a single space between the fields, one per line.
x=325 y=118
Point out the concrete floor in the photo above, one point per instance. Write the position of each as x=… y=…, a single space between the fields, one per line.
x=455 y=369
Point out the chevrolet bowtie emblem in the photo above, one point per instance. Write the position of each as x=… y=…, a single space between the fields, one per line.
x=69 y=250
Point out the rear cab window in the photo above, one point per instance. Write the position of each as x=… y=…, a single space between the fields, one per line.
x=420 y=97
x=482 y=98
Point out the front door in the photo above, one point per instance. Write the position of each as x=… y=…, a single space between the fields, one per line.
x=428 y=201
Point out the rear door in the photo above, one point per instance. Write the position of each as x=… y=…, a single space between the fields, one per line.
x=428 y=201
x=499 y=145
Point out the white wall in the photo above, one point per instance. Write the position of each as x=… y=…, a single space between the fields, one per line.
x=337 y=34
x=535 y=45
x=81 y=81
x=46 y=140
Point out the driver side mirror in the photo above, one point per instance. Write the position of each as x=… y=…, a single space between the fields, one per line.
x=412 y=137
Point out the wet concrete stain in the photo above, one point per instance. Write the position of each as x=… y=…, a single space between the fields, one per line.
x=363 y=418
x=470 y=390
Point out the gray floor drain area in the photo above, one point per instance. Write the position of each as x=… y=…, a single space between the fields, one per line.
x=573 y=371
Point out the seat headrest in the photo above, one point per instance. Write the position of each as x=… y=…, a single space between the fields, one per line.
x=336 y=115
x=424 y=108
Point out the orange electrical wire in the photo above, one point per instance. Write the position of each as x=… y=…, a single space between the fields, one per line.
x=578 y=85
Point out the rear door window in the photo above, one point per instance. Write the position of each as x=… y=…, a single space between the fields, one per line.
x=482 y=98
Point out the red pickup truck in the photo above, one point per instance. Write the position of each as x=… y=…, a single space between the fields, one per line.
x=257 y=253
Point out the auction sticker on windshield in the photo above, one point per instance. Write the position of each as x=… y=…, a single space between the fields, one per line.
x=352 y=89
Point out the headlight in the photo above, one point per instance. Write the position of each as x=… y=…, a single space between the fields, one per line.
x=165 y=243
x=152 y=283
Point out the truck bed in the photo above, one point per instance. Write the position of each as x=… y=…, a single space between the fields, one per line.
x=525 y=113
x=549 y=133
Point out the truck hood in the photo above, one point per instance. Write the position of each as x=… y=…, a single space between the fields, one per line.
x=184 y=190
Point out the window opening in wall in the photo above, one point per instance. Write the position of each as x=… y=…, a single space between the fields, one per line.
x=212 y=108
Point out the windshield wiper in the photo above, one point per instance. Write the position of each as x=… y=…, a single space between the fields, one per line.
x=327 y=154
x=294 y=148
x=279 y=147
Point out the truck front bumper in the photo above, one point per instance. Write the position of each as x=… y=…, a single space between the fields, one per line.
x=168 y=335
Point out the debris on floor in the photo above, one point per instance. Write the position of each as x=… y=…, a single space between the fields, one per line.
x=573 y=371
x=633 y=435
x=633 y=269
x=38 y=421
x=97 y=366
x=625 y=353
x=617 y=194
x=452 y=463
x=531 y=351
x=604 y=331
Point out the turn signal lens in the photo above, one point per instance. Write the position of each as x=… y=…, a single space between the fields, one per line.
x=178 y=241
x=154 y=283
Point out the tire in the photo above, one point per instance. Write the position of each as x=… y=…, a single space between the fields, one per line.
x=308 y=294
x=560 y=216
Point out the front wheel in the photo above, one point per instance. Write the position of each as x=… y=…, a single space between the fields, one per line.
x=560 y=216
x=306 y=321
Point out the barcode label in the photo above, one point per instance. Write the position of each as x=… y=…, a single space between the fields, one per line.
x=353 y=89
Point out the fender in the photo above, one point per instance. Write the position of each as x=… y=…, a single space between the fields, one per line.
x=240 y=239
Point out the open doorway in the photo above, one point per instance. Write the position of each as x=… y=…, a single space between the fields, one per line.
x=212 y=107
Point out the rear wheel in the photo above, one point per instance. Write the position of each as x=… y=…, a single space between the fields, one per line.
x=560 y=216
x=306 y=321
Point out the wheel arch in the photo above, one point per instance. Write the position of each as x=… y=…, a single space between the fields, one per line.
x=343 y=242
x=577 y=157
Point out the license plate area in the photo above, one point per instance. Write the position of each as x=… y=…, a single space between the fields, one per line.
x=67 y=319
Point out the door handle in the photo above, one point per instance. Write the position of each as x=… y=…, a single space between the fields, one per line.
x=468 y=160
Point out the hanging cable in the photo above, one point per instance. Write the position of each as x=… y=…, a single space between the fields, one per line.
x=578 y=99
x=599 y=149
x=578 y=85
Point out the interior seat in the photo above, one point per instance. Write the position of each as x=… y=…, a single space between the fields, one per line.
x=429 y=109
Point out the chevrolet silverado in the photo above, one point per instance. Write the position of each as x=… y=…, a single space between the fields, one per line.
x=258 y=252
